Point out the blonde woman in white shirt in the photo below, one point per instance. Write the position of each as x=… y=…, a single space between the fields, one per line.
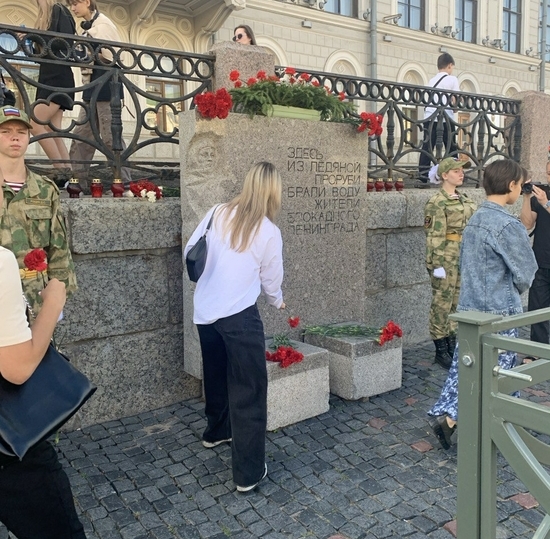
x=244 y=259
x=35 y=493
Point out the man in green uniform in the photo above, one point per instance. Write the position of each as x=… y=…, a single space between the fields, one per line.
x=445 y=216
x=31 y=217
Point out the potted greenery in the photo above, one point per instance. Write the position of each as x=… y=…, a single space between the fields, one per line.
x=268 y=95
x=292 y=96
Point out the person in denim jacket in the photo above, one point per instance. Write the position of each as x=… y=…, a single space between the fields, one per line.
x=497 y=265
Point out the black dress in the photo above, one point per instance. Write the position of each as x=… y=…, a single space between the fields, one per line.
x=60 y=74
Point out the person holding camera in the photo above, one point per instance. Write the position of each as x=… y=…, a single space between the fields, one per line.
x=535 y=214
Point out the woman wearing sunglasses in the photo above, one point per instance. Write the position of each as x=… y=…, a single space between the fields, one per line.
x=244 y=35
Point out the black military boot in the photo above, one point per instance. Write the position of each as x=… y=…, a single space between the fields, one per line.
x=442 y=356
x=451 y=344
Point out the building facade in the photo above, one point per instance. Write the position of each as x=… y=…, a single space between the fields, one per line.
x=496 y=44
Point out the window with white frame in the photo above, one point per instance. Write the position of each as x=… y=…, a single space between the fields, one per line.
x=342 y=7
x=547 y=55
x=511 y=25
x=164 y=118
x=466 y=19
x=412 y=14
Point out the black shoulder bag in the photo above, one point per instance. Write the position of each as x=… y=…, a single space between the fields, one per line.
x=196 y=257
x=34 y=410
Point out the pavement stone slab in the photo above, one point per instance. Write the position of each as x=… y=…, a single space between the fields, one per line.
x=366 y=469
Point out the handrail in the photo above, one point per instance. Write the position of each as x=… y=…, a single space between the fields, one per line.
x=490 y=419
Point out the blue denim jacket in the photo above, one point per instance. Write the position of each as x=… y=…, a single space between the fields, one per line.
x=497 y=263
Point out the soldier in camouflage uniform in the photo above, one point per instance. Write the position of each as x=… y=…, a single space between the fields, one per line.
x=31 y=217
x=446 y=215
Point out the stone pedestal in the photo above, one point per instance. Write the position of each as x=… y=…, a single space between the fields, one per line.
x=359 y=366
x=300 y=391
x=535 y=126
x=322 y=221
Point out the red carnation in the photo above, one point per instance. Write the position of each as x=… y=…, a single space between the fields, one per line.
x=305 y=76
x=251 y=81
x=341 y=96
x=238 y=84
x=315 y=83
x=290 y=71
x=262 y=75
x=36 y=260
x=294 y=321
x=234 y=75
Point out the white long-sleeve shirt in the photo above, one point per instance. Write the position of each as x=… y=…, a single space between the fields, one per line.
x=232 y=281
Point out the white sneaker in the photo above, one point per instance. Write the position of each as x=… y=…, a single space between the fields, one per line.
x=252 y=487
x=210 y=445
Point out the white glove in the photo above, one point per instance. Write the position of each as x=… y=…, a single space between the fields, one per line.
x=439 y=273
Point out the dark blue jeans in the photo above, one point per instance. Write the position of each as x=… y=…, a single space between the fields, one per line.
x=429 y=148
x=235 y=386
x=539 y=298
x=36 y=501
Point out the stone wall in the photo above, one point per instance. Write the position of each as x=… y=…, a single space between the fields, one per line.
x=123 y=328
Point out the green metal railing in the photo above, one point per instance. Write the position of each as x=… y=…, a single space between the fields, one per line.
x=491 y=419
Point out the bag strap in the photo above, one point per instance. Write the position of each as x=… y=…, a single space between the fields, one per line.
x=211 y=219
x=437 y=83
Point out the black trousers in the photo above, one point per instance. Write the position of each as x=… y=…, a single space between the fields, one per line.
x=428 y=148
x=235 y=386
x=539 y=298
x=36 y=501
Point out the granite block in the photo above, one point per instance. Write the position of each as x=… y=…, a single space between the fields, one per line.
x=109 y=224
x=385 y=210
x=134 y=373
x=407 y=306
x=534 y=111
x=246 y=60
x=376 y=262
x=299 y=391
x=359 y=367
x=121 y=294
x=409 y=245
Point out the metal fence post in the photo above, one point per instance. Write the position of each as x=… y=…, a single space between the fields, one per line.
x=473 y=475
x=116 y=125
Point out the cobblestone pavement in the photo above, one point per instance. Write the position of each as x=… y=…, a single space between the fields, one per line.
x=366 y=469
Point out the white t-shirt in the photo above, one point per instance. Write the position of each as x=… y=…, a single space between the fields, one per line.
x=448 y=82
x=14 y=328
x=232 y=281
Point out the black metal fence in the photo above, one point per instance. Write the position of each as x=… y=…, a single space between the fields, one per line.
x=483 y=127
x=154 y=85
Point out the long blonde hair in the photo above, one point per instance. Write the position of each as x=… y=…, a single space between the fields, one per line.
x=260 y=197
x=44 y=18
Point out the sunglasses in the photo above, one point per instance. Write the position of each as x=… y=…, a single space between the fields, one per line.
x=238 y=37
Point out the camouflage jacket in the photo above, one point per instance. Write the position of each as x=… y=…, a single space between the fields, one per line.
x=32 y=219
x=444 y=221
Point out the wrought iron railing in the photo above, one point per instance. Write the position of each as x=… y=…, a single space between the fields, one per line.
x=490 y=419
x=486 y=128
x=154 y=114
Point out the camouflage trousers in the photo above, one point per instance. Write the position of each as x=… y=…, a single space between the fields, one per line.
x=444 y=302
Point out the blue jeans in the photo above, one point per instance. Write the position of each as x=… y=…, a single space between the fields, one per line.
x=235 y=387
